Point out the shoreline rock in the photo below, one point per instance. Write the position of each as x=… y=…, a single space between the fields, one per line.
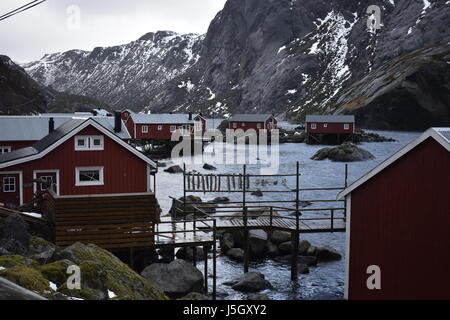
x=346 y=152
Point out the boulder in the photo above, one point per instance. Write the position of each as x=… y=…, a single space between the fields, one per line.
x=327 y=253
x=176 y=211
x=279 y=237
x=271 y=249
x=288 y=247
x=258 y=297
x=15 y=235
x=10 y=261
x=311 y=251
x=12 y=247
x=11 y=291
x=236 y=254
x=305 y=260
x=226 y=242
x=166 y=254
x=188 y=254
x=221 y=200
x=174 y=169
x=347 y=152
x=56 y=272
x=28 y=278
x=250 y=282
x=42 y=251
x=257 y=242
x=103 y=272
x=175 y=279
x=257 y=193
x=207 y=166
x=302 y=269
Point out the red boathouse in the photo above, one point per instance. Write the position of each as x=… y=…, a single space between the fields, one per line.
x=256 y=122
x=329 y=129
x=398 y=224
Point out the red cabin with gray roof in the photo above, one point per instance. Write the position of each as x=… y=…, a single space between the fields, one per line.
x=80 y=157
x=398 y=224
x=330 y=124
x=253 y=121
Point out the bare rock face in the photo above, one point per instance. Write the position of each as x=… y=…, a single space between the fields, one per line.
x=347 y=152
x=282 y=56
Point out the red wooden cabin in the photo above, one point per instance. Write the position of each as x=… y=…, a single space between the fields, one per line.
x=17 y=132
x=162 y=126
x=398 y=224
x=256 y=122
x=330 y=129
x=80 y=157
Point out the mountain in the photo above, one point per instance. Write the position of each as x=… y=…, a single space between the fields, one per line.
x=19 y=94
x=289 y=57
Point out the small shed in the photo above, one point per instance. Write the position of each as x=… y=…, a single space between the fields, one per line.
x=398 y=224
x=253 y=121
x=333 y=129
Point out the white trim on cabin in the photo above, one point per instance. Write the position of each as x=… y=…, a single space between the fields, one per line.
x=99 y=182
x=20 y=173
x=430 y=133
x=36 y=172
x=3 y=148
x=84 y=125
x=347 y=244
x=89 y=143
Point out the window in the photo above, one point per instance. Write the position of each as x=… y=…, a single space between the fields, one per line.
x=325 y=125
x=4 y=150
x=173 y=128
x=9 y=184
x=198 y=126
x=346 y=126
x=234 y=125
x=87 y=143
x=258 y=126
x=46 y=182
x=89 y=176
x=144 y=129
x=313 y=126
x=160 y=128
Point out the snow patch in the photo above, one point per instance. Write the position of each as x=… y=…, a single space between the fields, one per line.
x=111 y=294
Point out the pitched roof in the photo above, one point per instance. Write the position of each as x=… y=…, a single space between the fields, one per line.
x=176 y=118
x=250 y=117
x=330 y=118
x=59 y=136
x=441 y=135
x=34 y=128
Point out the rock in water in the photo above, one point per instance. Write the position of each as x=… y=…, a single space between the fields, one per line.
x=258 y=297
x=102 y=272
x=236 y=254
x=207 y=166
x=251 y=282
x=278 y=236
x=176 y=279
x=257 y=193
x=188 y=254
x=174 y=169
x=347 y=152
x=226 y=242
x=327 y=253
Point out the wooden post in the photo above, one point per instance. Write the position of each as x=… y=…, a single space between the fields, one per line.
x=294 y=273
x=332 y=220
x=214 y=292
x=184 y=198
x=205 y=257
x=271 y=217
x=194 y=256
x=346 y=184
x=246 y=242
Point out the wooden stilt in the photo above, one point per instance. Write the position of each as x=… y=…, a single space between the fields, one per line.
x=214 y=293
x=295 y=235
x=194 y=256
x=205 y=257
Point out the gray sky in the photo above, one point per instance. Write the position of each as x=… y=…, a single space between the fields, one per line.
x=53 y=26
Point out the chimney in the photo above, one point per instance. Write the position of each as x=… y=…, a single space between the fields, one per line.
x=190 y=116
x=51 y=125
x=117 y=122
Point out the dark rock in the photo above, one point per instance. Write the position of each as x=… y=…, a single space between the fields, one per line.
x=347 y=152
x=167 y=254
x=195 y=296
x=251 y=282
x=207 y=166
x=278 y=236
x=15 y=228
x=258 y=297
x=311 y=251
x=305 y=260
x=176 y=279
x=176 y=211
x=188 y=254
x=12 y=247
x=11 y=291
x=162 y=164
x=257 y=193
x=257 y=243
x=42 y=251
x=221 y=200
x=174 y=169
x=302 y=269
x=236 y=254
x=226 y=242
x=327 y=253
x=271 y=249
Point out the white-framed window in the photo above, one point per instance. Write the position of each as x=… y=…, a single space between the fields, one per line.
x=198 y=126
x=9 y=184
x=173 y=128
x=46 y=182
x=89 y=143
x=4 y=150
x=314 y=126
x=325 y=125
x=258 y=126
x=234 y=125
x=144 y=129
x=89 y=176
x=160 y=127
x=243 y=124
x=346 y=126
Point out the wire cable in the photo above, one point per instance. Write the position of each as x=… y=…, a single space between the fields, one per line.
x=21 y=9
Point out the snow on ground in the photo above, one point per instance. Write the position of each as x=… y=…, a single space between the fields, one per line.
x=111 y=294
x=33 y=214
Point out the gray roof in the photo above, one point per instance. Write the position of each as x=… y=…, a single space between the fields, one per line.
x=444 y=132
x=34 y=128
x=250 y=117
x=43 y=144
x=176 y=118
x=330 y=118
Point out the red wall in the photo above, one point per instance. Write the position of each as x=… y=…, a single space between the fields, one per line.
x=17 y=144
x=123 y=171
x=331 y=128
x=251 y=125
x=400 y=221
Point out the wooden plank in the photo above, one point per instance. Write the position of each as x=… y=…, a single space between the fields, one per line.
x=106 y=226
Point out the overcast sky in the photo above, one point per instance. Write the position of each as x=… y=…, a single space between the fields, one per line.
x=60 y=25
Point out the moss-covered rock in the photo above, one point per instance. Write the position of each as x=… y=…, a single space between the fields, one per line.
x=347 y=152
x=42 y=251
x=102 y=271
x=27 y=278
x=16 y=260
x=56 y=272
